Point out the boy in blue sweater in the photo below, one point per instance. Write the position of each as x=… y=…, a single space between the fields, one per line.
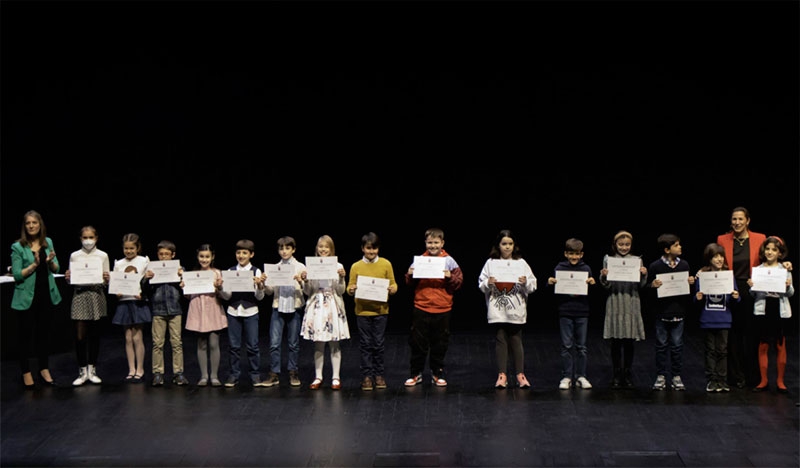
x=716 y=319
x=670 y=312
x=573 y=312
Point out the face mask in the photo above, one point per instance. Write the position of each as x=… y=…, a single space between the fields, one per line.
x=88 y=244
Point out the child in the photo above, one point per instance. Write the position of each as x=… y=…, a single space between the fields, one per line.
x=207 y=317
x=133 y=311
x=88 y=307
x=772 y=312
x=507 y=307
x=573 y=319
x=243 y=317
x=430 y=321
x=167 y=316
x=371 y=316
x=287 y=309
x=33 y=262
x=670 y=312
x=716 y=318
x=623 y=323
x=325 y=320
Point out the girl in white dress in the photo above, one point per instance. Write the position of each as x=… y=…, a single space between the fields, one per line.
x=325 y=320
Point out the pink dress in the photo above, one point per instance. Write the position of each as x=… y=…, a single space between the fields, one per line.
x=205 y=312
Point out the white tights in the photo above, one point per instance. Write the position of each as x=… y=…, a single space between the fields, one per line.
x=319 y=357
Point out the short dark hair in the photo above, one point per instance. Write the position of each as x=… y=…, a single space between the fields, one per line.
x=666 y=240
x=372 y=239
x=165 y=244
x=246 y=244
x=573 y=245
x=287 y=240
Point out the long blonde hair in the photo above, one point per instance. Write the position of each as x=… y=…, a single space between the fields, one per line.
x=328 y=240
x=24 y=239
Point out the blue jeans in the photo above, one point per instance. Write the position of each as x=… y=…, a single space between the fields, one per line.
x=669 y=341
x=292 y=322
x=371 y=342
x=573 y=339
x=244 y=328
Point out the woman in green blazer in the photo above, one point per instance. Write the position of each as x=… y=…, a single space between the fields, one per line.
x=33 y=262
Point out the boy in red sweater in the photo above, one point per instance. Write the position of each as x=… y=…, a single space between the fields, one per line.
x=433 y=301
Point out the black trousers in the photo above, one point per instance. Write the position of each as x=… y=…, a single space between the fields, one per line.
x=430 y=337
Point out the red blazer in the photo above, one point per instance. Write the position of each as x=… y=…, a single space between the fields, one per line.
x=756 y=239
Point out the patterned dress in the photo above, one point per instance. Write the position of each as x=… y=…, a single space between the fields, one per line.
x=325 y=318
x=623 y=307
x=89 y=300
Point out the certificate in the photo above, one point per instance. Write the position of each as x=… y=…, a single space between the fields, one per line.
x=87 y=271
x=716 y=283
x=322 y=268
x=166 y=271
x=372 y=289
x=506 y=271
x=572 y=282
x=125 y=283
x=279 y=275
x=429 y=267
x=238 y=280
x=198 y=282
x=624 y=269
x=769 y=280
x=673 y=284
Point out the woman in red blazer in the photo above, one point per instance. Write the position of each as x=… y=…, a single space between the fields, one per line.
x=741 y=253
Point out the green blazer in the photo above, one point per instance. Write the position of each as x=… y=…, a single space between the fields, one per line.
x=22 y=257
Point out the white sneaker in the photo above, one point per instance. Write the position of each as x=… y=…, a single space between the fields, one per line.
x=582 y=382
x=660 y=383
x=83 y=376
x=565 y=383
x=677 y=383
x=93 y=378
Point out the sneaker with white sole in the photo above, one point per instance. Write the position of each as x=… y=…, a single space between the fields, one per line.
x=583 y=382
x=677 y=383
x=83 y=376
x=91 y=371
x=660 y=383
x=439 y=381
x=565 y=383
x=413 y=380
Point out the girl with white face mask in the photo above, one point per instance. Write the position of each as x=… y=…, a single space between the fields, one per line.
x=88 y=307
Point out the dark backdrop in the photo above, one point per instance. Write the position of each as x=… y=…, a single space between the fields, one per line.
x=214 y=121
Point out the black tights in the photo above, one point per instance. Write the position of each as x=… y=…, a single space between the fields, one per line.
x=87 y=344
x=620 y=347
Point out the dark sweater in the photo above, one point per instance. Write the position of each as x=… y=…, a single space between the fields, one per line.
x=672 y=306
x=570 y=305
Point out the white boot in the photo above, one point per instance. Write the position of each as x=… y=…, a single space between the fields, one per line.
x=83 y=375
x=93 y=378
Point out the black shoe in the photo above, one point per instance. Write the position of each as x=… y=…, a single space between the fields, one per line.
x=231 y=382
x=627 y=381
x=158 y=379
x=179 y=379
x=616 y=381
